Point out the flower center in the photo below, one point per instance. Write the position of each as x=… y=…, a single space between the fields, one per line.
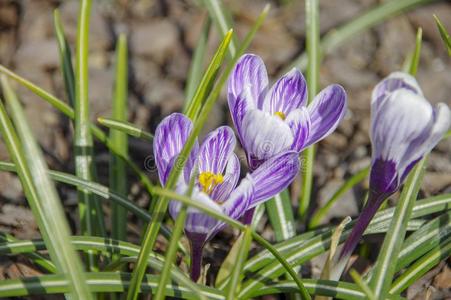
x=280 y=115
x=209 y=180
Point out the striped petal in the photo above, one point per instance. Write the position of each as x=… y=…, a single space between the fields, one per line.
x=274 y=175
x=287 y=94
x=215 y=151
x=264 y=136
x=238 y=107
x=299 y=122
x=250 y=71
x=326 y=111
x=222 y=191
x=170 y=137
x=393 y=82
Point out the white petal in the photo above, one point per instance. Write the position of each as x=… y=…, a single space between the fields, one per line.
x=265 y=135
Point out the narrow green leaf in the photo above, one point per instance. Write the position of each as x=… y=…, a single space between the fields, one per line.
x=119 y=140
x=314 y=58
x=344 y=188
x=107 y=246
x=281 y=217
x=363 y=286
x=98 y=282
x=197 y=63
x=35 y=258
x=69 y=112
x=237 y=275
x=444 y=34
x=421 y=267
x=125 y=127
x=91 y=221
x=65 y=58
x=41 y=193
x=384 y=269
x=327 y=288
x=101 y=191
x=416 y=54
x=368 y=19
x=208 y=79
x=222 y=19
x=171 y=252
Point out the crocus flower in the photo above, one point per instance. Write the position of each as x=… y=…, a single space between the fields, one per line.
x=269 y=122
x=404 y=127
x=215 y=169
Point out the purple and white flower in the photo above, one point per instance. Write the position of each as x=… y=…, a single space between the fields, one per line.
x=404 y=127
x=215 y=169
x=269 y=122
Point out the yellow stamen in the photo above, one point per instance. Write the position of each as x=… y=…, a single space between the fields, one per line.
x=280 y=115
x=209 y=180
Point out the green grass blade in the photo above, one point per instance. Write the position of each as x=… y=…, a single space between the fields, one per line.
x=171 y=253
x=102 y=191
x=69 y=112
x=384 y=269
x=125 y=127
x=119 y=140
x=281 y=216
x=90 y=217
x=106 y=246
x=416 y=54
x=444 y=34
x=99 y=283
x=222 y=20
x=421 y=267
x=65 y=58
x=237 y=275
x=326 y=288
x=41 y=194
x=368 y=19
x=314 y=57
x=347 y=185
x=363 y=286
x=195 y=70
x=35 y=258
x=208 y=79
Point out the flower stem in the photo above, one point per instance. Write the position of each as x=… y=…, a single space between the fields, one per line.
x=197 y=242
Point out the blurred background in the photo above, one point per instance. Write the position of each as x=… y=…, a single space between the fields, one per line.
x=162 y=35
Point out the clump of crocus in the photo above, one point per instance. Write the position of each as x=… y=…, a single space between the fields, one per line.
x=269 y=122
x=404 y=127
x=215 y=169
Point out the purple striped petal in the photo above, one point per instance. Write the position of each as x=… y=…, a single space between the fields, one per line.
x=401 y=125
x=287 y=94
x=238 y=107
x=274 y=175
x=393 y=82
x=240 y=199
x=326 y=112
x=222 y=191
x=197 y=221
x=237 y=203
x=215 y=151
x=265 y=135
x=250 y=71
x=170 y=137
x=299 y=122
